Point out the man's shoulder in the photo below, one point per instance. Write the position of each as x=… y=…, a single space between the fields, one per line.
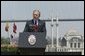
x=42 y=21
x=29 y=21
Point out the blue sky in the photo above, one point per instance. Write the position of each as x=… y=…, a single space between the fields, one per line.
x=22 y=10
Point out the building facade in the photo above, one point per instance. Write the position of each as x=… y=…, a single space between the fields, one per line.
x=71 y=42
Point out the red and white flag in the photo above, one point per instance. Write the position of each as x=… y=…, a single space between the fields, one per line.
x=14 y=27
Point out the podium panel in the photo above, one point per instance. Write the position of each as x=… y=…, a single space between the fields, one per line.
x=39 y=39
x=32 y=43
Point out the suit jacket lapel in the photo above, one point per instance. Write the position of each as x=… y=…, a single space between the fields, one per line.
x=32 y=21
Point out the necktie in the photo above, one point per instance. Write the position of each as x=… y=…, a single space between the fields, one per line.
x=35 y=26
x=35 y=22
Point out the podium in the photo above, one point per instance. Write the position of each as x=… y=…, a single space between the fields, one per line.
x=32 y=43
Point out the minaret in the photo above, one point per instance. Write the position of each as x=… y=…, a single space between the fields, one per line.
x=52 y=30
x=52 y=43
x=57 y=32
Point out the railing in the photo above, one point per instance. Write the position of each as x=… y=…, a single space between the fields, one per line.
x=48 y=20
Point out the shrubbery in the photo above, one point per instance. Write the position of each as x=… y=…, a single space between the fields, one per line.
x=8 y=49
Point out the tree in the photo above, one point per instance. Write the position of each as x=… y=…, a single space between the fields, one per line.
x=5 y=40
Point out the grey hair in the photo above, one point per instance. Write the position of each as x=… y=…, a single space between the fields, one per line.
x=35 y=11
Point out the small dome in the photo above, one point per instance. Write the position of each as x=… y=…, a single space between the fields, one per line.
x=72 y=32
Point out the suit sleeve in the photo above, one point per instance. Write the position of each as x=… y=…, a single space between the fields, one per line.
x=44 y=28
x=45 y=31
x=26 y=27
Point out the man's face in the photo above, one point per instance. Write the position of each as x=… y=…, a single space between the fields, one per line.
x=36 y=15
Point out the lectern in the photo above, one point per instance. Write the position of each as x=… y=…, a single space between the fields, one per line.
x=32 y=43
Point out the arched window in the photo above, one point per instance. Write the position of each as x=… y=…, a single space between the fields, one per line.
x=74 y=45
x=71 y=44
x=78 y=45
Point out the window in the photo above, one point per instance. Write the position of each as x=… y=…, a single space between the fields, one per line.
x=74 y=45
x=78 y=45
x=71 y=45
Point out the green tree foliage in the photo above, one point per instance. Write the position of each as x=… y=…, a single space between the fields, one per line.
x=5 y=40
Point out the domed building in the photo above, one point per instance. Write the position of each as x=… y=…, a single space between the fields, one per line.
x=73 y=41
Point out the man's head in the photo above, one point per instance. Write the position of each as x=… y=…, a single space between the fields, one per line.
x=36 y=14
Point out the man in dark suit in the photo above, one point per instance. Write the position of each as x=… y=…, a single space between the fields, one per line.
x=35 y=25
